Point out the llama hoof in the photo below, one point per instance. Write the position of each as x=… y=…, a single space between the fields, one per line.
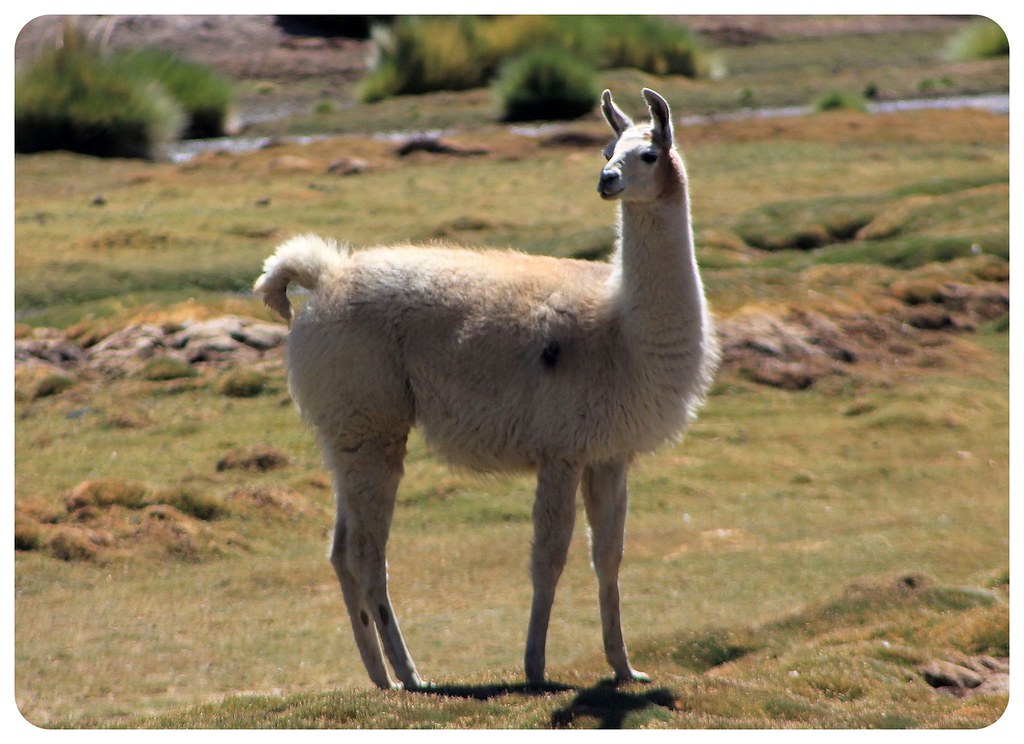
x=633 y=676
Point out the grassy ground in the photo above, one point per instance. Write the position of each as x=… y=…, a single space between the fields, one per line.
x=797 y=562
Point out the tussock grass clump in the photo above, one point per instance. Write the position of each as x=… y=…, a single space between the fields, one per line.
x=50 y=384
x=421 y=54
x=646 y=43
x=107 y=517
x=418 y=55
x=981 y=39
x=259 y=458
x=269 y=500
x=71 y=544
x=28 y=534
x=202 y=506
x=107 y=492
x=75 y=99
x=206 y=96
x=129 y=104
x=546 y=83
x=242 y=383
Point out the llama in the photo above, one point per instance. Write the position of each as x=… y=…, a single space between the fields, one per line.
x=505 y=361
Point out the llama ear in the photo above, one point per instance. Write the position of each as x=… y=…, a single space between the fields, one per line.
x=661 y=117
x=617 y=120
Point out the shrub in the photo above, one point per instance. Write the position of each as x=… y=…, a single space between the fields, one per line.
x=418 y=55
x=74 y=99
x=547 y=83
x=205 y=95
x=242 y=383
x=837 y=100
x=981 y=39
x=647 y=43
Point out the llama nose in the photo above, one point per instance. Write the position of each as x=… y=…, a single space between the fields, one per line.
x=609 y=181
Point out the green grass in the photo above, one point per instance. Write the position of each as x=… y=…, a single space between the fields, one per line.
x=776 y=501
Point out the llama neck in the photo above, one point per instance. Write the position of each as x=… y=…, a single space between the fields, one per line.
x=661 y=295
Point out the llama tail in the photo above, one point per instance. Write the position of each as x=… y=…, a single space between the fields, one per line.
x=303 y=260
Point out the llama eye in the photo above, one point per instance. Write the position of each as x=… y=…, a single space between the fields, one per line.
x=649 y=156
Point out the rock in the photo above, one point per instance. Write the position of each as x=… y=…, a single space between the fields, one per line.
x=259 y=335
x=125 y=351
x=794 y=349
x=231 y=337
x=226 y=339
x=58 y=351
x=435 y=146
x=950 y=677
x=348 y=167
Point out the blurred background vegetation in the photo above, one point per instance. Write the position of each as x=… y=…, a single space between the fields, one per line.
x=134 y=102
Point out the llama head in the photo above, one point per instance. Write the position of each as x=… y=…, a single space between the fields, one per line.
x=642 y=164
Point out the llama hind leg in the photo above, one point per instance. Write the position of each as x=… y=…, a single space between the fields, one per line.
x=368 y=481
x=365 y=631
x=605 y=498
x=554 y=512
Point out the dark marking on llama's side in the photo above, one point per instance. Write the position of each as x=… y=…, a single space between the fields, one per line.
x=364 y=617
x=549 y=356
x=384 y=616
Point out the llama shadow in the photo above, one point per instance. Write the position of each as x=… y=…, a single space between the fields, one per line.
x=610 y=705
x=605 y=702
x=486 y=692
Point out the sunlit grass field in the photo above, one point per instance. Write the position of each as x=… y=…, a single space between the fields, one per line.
x=795 y=562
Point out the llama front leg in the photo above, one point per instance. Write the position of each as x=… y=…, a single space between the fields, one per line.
x=554 y=512
x=368 y=481
x=605 y=500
